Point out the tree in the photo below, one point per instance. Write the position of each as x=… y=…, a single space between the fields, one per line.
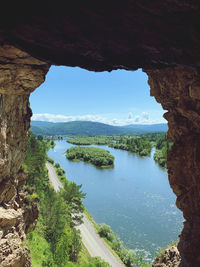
x=40 y=137
x=72 y=196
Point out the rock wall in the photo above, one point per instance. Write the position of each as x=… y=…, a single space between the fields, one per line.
x=105 y=35
x=20 y=74
x=178 y=90
x=161 y=36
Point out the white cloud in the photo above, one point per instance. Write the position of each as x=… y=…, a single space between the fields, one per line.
x=137 y=119
x=143 y=118
x=130 y=115
x=145 y=115
x=65 y=118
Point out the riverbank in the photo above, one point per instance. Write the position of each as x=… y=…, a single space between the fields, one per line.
x=134 y=198
x=92 y=242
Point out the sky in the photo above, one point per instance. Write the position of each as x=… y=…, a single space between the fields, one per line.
x=117 y=98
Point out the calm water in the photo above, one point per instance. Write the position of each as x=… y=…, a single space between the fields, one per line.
x=134 y=198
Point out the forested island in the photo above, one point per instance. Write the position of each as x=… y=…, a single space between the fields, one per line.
x=138 y=144
x=96 y=156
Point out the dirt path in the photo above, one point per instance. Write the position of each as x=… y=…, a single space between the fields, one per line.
x=94 y=244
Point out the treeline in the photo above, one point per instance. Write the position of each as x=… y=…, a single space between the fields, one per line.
x=140 y=144
x=86 y=140
x=137 y=144
x=162 y=147
x=55 y=240
x=96 y=156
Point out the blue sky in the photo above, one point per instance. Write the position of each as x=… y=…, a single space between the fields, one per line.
x=117 y=98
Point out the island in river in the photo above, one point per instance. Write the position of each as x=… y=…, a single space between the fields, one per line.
x=96 y=156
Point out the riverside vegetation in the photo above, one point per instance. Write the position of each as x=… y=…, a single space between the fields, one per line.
x=140 y=144
x=97 y=156
x=162 y=147
x=55 y=242
x=127 y=256
x=136 y=144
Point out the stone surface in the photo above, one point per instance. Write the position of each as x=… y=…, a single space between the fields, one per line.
x=170 y=257
x=172 y=88
x=20 y=74
x=106 y=35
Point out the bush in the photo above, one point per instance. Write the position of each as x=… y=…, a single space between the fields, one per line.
x=57 y=165
x=50 y=160
x=59 y=172
x=105 y=231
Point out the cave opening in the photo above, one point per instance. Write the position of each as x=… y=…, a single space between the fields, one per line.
x=73 y=94
x=176 y=88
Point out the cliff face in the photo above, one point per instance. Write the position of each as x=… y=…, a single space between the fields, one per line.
x=178 y=90
x=20 y=74
x=162 y=37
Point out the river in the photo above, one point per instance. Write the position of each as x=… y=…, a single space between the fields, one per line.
x=134 y=197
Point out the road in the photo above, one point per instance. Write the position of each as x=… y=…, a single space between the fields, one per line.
x=94 y=244
x=53 y=177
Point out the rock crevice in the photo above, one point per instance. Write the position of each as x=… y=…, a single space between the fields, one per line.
x=20 y=75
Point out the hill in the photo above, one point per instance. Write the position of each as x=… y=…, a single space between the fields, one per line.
x=161 y=127
x=92 y=128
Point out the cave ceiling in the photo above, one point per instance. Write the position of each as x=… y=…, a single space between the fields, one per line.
x=106 y=35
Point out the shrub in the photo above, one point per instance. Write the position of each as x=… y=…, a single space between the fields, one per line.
x=50 y=160
x=105 y=231
x=57 y=165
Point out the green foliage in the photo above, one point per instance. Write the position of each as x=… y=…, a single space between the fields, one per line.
x=138 y=144
x=55 y=241
x=72 y=196
x=97 y=156
x=52 y=143
x=162 y=148
x=86 y=140
x=127 y=256
x=60 y=172
x=32 y=197
x=50 y=160
x=90 y=128
x=105 y=231
x=97 y=262
x=40 y=250
x=57 y=165
x=40 y=137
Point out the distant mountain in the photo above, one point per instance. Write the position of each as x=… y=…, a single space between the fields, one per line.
x=161 y=127
x=92 y=128
x=41 y=124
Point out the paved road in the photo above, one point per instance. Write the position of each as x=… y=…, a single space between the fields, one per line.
x=53 y=177
x=94 y=244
